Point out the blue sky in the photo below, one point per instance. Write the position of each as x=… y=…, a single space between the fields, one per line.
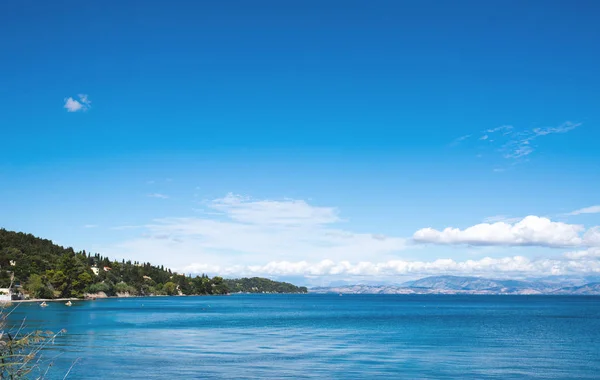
x=301 y=139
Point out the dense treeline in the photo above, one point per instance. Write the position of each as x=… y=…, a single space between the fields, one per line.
x=262 y=285
x=47 y=270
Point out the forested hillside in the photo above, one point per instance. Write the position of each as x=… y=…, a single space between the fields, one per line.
x=47 y=270
x=262 y=285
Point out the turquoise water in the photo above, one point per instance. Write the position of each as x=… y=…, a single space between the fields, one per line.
x=324 y=336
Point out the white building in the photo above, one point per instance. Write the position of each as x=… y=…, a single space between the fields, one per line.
x=5 y=295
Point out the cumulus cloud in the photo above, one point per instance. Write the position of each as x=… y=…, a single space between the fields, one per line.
x=573 y=263
x=592 y=237
x=158 y=195
x=530 y=231
x=586 y=210
x=82 y=103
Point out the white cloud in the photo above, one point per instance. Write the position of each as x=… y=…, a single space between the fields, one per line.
x=586 y=210
x=504 y=129
x=501 y=218
x=532 y=231
x=239 y=230
x=288 y=212
x=563 y=128
x=158 y=195
x=517 y=144
x=460 y=139
x=241 y=236
x=518 y=149
x=515 y=265
x=90 y=226
x=589 y=253
x=520 y=143
x=592 y=237
x=82 y=104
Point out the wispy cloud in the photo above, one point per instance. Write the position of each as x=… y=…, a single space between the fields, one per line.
x=514 y=144
x=158 y=195
x=90 y=226
x=504 y=129
x=82 y=103
x=459 y=140
x=123 y=228
x=236 y=230
x=501 y=218
x=563 y=128
x=282 y=212
x=520 y=143
x=586 y=210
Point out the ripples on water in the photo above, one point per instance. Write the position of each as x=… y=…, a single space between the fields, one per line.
x=325 y=336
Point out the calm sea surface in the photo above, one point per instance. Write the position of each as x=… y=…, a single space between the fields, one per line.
x=324 y=336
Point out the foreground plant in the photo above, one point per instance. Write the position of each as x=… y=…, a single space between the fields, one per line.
x=20 y=353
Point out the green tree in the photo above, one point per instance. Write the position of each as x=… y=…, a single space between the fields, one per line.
x=38 y=287
x=170 y=288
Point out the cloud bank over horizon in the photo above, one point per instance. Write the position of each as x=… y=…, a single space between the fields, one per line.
x=241 y=236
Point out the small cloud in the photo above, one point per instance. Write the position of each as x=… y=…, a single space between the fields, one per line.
x=501 y=218
x=499 y=170
x=150 y=182
x=158 y=195
x=484 y=137
x=458 y=140
x=586 y=210
x=504 y=128
x=122 y=228
x=82 y=103
x=90 y=226
x=518 y=149
x=563 y=128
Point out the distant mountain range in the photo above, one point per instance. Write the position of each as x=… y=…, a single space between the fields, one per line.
x=467 y=285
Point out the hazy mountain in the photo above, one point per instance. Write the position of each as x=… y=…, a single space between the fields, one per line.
x=467 y=285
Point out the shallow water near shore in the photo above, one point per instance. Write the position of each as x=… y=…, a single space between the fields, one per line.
x=323 y=336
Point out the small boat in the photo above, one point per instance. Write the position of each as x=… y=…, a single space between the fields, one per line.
x=43 y=304
x=68 y=303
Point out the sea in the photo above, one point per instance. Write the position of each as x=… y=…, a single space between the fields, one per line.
x=306 y=336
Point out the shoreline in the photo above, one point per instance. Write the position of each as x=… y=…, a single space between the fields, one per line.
x=44 y=300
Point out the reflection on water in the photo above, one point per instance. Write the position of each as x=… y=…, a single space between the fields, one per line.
x=324 y=336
